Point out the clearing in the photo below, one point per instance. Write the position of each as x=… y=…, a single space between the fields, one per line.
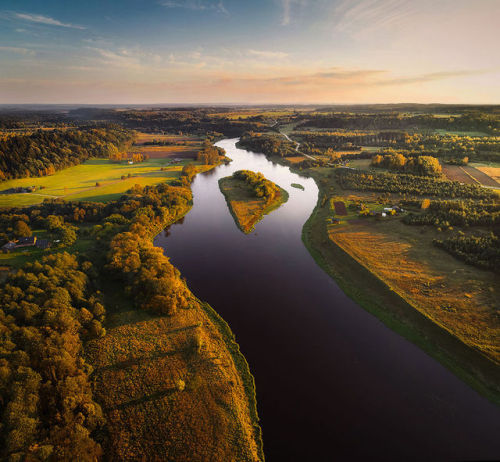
x=79 y=182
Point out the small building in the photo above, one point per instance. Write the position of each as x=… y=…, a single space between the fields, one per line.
x=26 y=241
x=11 y=245
x=43 y=243
x=130 y=162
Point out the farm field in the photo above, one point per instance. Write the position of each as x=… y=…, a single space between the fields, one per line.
x=457 y=173
x=483 y=177
x=295 y=159
x=175 y=139
x=362 y=164
x=469 y=174
x=162 y=152
x=79 y=182
x=441 y=131
x=490 y=170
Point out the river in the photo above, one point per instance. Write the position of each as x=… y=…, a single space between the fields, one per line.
x=333 y=383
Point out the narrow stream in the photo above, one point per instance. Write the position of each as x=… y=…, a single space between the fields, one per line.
x=333 y=383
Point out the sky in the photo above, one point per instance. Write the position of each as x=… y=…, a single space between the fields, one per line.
x=249 y=52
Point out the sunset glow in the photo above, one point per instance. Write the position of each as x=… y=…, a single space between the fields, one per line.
x=264 y=51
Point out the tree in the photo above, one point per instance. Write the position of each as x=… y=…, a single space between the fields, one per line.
x=68 y=236
x=21 y=229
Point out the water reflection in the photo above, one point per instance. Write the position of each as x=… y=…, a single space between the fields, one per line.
x=332 y=381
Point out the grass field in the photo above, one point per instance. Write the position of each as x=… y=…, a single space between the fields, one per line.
x=246 y=209
x=176 y=139
x=171 y=389
x=454 y=295
x=362 y=164
x=79 y=182
x=441 y=131
x=457 y=321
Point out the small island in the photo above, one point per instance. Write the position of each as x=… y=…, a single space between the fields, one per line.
x=250 y=196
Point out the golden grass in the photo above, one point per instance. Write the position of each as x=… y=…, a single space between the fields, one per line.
x=246 y=209
x=151 y=414
x=492 y=172
x=456 y=296
x=295 y=159
x=161 y=152
x=148 y=137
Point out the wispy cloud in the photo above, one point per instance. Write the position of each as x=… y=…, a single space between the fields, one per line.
x=344 y=77
x=355 y=16
x=47 y=20
x=267 y=54
x=18 y=50
x=288 y=7
x=430 y=77
x=196 y=5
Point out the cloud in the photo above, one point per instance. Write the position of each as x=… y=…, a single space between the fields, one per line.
x=432 y=77
x=18 y=50
x=288 y=6
x=336 y=77
x=47 y=20
x=365 y=16
x=196 y=5
x=268 y=54
x=123 y=58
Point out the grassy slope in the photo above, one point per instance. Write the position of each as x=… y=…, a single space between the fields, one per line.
x=396 y=312
x=246 y=209
x=137 y=368
x=79 y=182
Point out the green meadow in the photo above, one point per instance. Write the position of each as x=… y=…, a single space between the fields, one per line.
x=79 y=182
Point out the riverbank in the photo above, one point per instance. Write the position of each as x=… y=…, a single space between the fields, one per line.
x=247 y=209
x=173 y=387
x=377 y=297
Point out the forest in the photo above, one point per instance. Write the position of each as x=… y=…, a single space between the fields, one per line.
x=269 y=144
x=43 y=152
x=489 y=123
x=259 y=184
x=50 y=307
x=420 y=165
x=405 y=184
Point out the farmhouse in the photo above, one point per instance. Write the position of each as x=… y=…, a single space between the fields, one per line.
x=11 y=245
x=26 y=242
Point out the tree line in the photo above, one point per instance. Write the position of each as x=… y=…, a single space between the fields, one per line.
x=411 y=185
x=417 y=165
x=260 y=186
x=457 y=213
x=44 y=152
x=481 y=251
x=271 y=145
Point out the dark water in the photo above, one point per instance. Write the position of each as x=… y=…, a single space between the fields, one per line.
x=333 y=383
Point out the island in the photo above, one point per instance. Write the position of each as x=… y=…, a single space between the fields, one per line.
x=250 y=196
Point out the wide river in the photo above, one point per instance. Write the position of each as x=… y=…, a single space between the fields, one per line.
x=333 y=383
